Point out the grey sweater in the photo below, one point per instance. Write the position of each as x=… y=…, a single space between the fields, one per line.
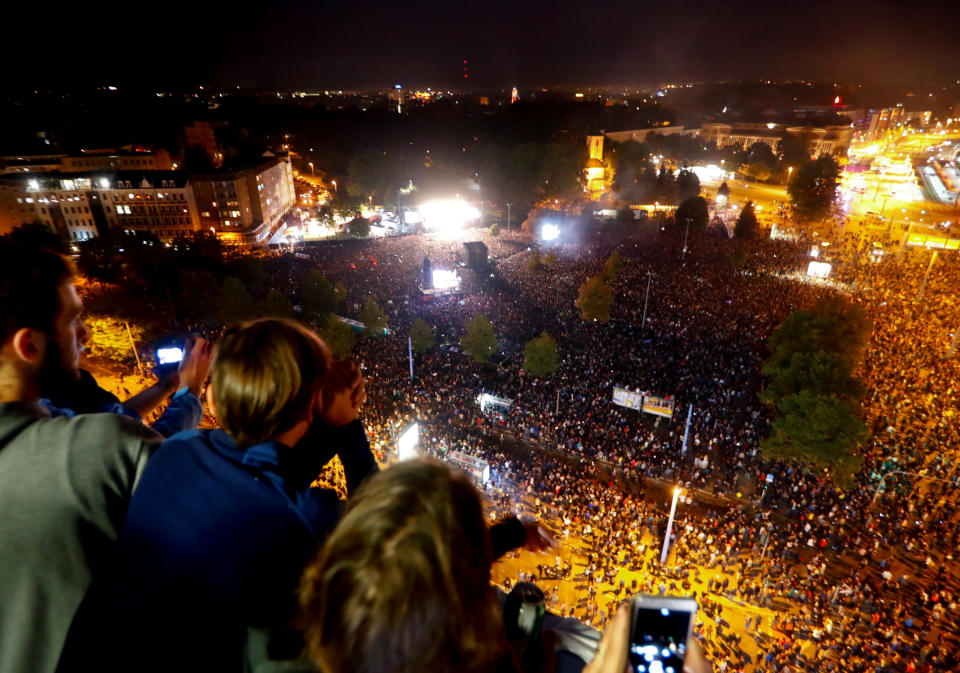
x=65 y=484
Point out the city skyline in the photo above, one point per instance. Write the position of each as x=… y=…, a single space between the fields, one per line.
x=374 y=44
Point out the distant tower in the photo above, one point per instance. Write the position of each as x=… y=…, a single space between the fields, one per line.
x=466 y=73
x=514 y=96
x=399 y=90
x=595 y=170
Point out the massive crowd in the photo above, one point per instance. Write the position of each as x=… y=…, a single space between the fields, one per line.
x=854 y=580
x=868 y=580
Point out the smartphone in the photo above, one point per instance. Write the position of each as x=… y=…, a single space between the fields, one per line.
x=660 y=627
x=169 y=355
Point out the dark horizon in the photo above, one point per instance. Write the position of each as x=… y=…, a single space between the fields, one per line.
x=374 y=44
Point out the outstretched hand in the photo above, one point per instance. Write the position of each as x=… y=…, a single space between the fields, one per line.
x=344 y=392
x=195 y=367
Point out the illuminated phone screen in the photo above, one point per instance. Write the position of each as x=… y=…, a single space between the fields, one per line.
x=169 y=356
x=658 y=642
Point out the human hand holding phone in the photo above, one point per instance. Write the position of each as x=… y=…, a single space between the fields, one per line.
x=342 y=395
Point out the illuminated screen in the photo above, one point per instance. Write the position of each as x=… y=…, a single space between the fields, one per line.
x=406 y=445
x=169 y=356
x=818 y=269
x=444 y=280
x=658 y=642
x=549 y=232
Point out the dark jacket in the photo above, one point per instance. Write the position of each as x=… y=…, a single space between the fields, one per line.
x=215 y=540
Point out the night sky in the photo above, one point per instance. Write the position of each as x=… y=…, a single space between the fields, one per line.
x=375 y=43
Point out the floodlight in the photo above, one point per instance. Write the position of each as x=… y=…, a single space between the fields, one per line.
x=444 y=279
x=549 y=232
x=818 y=269
x=407 y=442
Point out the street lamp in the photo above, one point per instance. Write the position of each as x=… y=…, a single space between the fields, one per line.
x=666 y=539
x=311 y=168
x=334 y=182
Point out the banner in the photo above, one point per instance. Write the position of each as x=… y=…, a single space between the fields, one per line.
x=660 y=406
x=627 y=398
x=478 y=468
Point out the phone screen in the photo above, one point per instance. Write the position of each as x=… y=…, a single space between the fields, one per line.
x=170 y=355
x=658 y=642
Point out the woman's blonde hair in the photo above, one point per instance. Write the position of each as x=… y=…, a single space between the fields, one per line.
x=403 y=583
x=265 y=376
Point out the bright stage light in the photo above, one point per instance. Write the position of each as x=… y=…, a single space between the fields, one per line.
x=447 y=216
x=549 y=232
x=407 y=443
x=818 y=269
x=445 y=280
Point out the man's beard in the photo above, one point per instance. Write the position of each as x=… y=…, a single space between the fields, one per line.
x=54 y=380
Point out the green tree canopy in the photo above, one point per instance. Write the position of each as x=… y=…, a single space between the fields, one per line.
x=421 y=334
x=36 y=234
x=373 y=318
x=479 y=340
x=695 y=210
x=746 y=226
x=236 y=303
x=338 y=336
x=813 y=391
x=688 y=184
x=758 y=170
x=276 y=305
x=540 y=355
x=818 y=430
x=613 y=265
x=359 y=227
x=813 y=187
x=109 y=339
x=828 y=374
x=595 y=299
x=317 y=296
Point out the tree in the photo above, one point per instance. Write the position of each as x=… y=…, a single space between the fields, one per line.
x=338 y=336
x=236 y=303
x=746 y=226
x=688 y=184
x=540 y=355
x=613 y=265
x=317 y=296
x=494 y=229
x=695 y=210
x=421 y=334
x=99 y=261
x=595 y=299
x=812 y=389
x=36 y=234
x=276 y=305
x=373 y=318
x=359 y=227
x=198 y=296
x=823 y=373
x=818 y=430
x=813 y=187
x=723 y=190
x=109 y=339
x=479 y=340
x=344 y=205
x=758 y=170
x=760 y=152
